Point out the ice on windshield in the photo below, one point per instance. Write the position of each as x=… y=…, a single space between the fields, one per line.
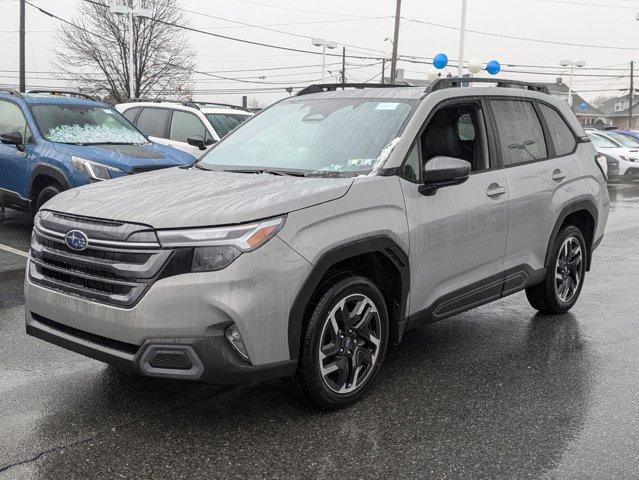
x=94 y=134
x=84 y=124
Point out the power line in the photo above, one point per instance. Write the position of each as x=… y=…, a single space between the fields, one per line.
x=514 y=37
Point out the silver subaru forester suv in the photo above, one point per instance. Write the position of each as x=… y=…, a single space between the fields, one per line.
x=319 y=232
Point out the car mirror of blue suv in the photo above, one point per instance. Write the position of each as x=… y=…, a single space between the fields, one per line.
x=13 y=138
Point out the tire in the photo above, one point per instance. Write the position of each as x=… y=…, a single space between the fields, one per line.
x=353 y=360
x=562 y=285
x=46 y=194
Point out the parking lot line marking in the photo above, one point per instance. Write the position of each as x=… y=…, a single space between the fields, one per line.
x=9 y=249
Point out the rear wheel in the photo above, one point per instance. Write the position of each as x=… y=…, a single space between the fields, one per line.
x=565 y=276
x=344 y=344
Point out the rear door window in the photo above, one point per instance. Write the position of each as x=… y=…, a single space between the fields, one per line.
x=562 y=137
x=153 y=122
x=521 y=136
x=185 y=125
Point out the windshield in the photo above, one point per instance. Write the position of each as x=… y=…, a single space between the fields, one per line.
x=84 y=125
x=338 y=136
x=602 y=142
x=223 y=123
x=624 y=140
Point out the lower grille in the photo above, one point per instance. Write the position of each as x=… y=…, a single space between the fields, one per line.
x=115 y=272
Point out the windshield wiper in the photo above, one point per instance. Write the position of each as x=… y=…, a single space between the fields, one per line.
x=290 y=173
x=110 y=143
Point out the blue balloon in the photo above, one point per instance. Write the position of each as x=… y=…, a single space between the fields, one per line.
x=583 y=106
x=493 y=67
x=440 y=61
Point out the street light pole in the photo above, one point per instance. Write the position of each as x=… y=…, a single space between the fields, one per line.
x=320 y=42
x=572 y=64
x=462 y=39
x=117 y=9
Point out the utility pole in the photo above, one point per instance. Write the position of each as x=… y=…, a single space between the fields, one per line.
x=462 y=40
x=398 y=11
x=23 y=81
x=383 y=70
x=632 y=93
x=343 y=67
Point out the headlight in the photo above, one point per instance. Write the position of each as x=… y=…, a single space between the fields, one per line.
x=216 y=248
x=94 y=170
x=628 y=159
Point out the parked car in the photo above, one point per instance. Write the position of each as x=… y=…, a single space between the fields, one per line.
x=623 y=162
x=192 y=127
x=289 y=250
x=54 y=141
x=629 y=133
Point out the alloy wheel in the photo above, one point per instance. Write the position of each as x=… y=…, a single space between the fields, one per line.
x=569 y=269
x=350 y=343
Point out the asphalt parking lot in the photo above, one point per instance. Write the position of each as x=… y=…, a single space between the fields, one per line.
x=498 y=392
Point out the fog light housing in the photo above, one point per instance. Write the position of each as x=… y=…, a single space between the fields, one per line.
x=235 y=339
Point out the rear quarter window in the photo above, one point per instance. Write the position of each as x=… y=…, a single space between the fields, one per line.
x=562 y=136
x=131 y=113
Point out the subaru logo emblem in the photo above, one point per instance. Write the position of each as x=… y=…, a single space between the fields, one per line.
x=76 y=240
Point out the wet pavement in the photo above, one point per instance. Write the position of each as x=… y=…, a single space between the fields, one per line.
x=498 y=392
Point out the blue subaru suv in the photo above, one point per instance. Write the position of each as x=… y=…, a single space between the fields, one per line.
x=53 y=141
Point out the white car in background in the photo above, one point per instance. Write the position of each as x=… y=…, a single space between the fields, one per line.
x=623 y=162
x=192 y=127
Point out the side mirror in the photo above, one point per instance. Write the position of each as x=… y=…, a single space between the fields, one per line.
x=13 y=138
x=444 y=172
x=197 y=141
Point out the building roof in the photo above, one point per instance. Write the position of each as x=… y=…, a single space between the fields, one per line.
x=608 y=107
x=578 y=102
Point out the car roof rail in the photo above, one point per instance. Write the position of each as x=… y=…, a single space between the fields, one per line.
x=184 y=103
x=11 y=91
x=65 y=92
x=331 y=87
x=452 y=82
x=218 y=104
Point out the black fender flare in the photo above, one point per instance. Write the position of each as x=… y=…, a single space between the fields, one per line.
x=568 y=210
x=379 y=244
x=49 y=171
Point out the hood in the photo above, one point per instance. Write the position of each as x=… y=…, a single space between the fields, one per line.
x=177 y=197
x=128 y=157
x=626 y=152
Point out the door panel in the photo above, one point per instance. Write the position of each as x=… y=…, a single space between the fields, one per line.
x=457 y=237
x=533 y=211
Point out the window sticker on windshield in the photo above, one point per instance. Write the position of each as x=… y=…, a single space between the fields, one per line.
x=108 y=110
x=386 y=106
x=360 y=162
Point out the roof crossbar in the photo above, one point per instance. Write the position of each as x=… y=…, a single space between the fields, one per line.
x=186 y=103
x=452 y=82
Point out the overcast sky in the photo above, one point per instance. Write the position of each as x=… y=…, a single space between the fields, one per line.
x=592 y=22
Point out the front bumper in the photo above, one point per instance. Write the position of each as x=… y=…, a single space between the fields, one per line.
x=255 y=293
x=210 y=359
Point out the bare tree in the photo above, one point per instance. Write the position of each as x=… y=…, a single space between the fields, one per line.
x=255 y=103
x=94 y=53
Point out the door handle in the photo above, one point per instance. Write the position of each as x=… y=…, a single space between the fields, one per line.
x=495 y=190
x=559 y=175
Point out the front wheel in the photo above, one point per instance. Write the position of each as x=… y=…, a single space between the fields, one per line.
x=344 y=344
x=565 y=276
x=46 y=194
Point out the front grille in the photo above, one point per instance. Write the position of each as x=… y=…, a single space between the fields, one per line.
x=112 y=269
